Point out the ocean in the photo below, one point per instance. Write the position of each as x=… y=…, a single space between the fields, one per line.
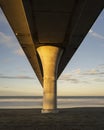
x=25 y=102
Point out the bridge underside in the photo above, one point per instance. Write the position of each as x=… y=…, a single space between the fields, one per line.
x=50 y=31
x=62 y=23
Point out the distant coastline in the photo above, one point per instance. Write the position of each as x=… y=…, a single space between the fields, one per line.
x=38 y=97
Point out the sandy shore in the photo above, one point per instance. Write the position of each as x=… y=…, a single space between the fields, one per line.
x=66 y=119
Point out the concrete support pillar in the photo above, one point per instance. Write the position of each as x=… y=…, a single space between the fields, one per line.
x=50 y=56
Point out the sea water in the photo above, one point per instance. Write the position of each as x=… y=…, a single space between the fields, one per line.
x=15 y=102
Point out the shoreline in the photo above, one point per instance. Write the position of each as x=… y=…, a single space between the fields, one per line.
x=88 y=118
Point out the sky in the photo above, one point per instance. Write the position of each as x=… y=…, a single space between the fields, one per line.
x=83 y=76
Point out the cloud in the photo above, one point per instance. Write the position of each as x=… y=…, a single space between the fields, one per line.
x=1 y=74
x=10 y=40
x=93 y=72
x=19 y=51
x=101 y=66
x=86 y=76
x=94 y=34
x=7 y=40
x=11 y=43
x=90 y=72
x=73 y=76
x=15 y=77
x=65 y=77
x=77 y=71
x=99 y=80
x=68 y=77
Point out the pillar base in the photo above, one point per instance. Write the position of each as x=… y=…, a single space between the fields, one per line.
x=49 y=111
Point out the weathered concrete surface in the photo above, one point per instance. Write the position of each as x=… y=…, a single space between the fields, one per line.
x=50 y=57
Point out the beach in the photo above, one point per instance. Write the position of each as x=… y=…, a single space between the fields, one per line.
x=91 y=118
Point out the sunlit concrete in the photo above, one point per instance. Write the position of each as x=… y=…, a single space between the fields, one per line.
x=50 y=57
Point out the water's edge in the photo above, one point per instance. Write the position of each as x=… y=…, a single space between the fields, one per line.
x=8 y=102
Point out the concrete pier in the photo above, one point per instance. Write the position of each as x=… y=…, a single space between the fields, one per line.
x=50 y=57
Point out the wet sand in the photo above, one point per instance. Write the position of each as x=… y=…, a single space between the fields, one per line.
x=66 y=119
